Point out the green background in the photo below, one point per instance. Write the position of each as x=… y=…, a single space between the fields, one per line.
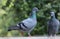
x=14 y=11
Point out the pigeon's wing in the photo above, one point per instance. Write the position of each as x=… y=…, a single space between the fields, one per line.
x=48 y=22
x=49 y=27
x=57 y=24
x=29 y=22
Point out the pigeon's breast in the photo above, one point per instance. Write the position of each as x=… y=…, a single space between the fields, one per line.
x=54 y=22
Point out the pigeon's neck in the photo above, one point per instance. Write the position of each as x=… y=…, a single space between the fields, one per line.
x=33 y=15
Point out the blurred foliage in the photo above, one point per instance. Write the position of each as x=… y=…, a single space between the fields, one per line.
x=14 y=11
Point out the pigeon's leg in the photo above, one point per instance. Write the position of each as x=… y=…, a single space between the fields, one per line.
x=22 y=33
x=54 y=33
x=29 y=34
x=49 y=32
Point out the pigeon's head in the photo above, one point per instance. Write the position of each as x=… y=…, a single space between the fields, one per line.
x=35 y=9
x=52 y=13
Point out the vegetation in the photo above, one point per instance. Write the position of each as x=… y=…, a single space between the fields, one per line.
x=14 y=11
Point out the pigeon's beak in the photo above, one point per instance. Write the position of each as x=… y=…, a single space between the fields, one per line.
x=37 y=10
x=52 y=13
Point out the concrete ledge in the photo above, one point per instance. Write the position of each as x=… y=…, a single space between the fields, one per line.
x=38 y=37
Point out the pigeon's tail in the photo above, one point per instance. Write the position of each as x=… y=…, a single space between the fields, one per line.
x=13 y=28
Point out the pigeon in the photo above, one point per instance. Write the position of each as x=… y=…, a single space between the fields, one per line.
x=26 y=25
x=53 y=25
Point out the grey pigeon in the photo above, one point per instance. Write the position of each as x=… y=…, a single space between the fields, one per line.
x=53 y=25
x=28 y=24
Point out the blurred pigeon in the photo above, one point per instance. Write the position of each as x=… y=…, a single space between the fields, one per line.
x=53 y=25
x=28 y=24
